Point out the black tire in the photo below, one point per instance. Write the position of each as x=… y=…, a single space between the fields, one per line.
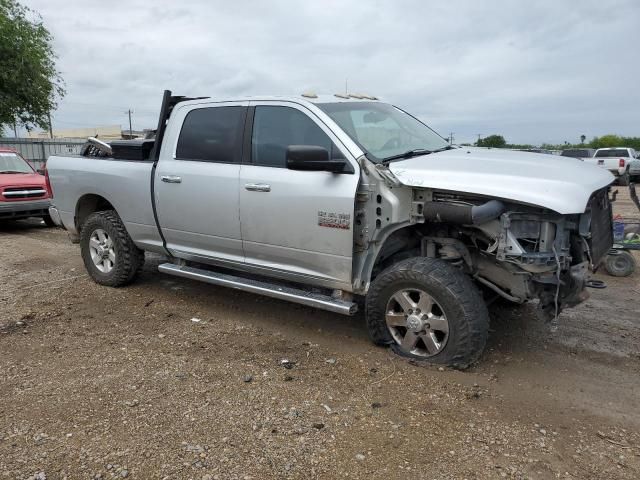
x=129 y=259
x=624 y=180
x=48 y=221
x=621 y=264
x=455 y=296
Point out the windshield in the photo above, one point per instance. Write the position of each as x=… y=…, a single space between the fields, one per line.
x=618 y=152
x=383 y=130
x=12 y=163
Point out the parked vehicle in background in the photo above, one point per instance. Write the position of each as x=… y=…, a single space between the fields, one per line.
x=23 y=191
x=617 y=160
x=634 y=169
x=316 y=200
x=580 y=153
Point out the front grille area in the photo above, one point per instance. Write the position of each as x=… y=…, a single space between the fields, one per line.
x=23 y=193
x=601 y=225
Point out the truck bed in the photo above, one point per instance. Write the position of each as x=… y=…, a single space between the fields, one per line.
x=125 y=182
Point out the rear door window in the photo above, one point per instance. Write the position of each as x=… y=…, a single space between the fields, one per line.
x=212 y=134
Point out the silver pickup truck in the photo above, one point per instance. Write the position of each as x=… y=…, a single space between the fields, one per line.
x=337 y=202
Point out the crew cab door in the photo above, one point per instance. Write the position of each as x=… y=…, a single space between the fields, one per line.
x=296 y=224
x=196 y=182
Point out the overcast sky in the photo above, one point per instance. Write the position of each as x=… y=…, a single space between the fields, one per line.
x=532 y=71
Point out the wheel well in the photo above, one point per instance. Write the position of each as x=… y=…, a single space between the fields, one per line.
x=89 y=204
x=400 y=245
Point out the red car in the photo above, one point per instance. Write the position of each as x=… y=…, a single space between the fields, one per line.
x=23 y=192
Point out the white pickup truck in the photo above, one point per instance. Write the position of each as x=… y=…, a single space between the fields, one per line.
x=338 y=201
x=618 y=160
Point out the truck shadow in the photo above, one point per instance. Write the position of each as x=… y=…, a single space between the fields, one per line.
x=270 y=313
x=515 y=330
x=22 y=226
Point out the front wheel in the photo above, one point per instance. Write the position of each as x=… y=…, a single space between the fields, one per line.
x=110 y=256
x=426 y=309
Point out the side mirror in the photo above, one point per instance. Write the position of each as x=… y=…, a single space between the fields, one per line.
x=312 y=158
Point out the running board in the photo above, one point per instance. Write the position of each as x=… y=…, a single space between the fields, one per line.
x=296 y=295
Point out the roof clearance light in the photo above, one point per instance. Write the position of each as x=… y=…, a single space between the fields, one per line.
x=355 y=95
x=341 y=95
x=309 y=95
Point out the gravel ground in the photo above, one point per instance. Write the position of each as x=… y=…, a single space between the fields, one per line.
x=172 y=379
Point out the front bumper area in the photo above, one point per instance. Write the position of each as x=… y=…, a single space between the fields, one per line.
x=16 y=210
x=55 y=216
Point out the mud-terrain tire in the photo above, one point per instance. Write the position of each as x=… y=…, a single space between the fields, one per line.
x=622 y=264
x=444 y=292
x=624 y=180
x=110 y=256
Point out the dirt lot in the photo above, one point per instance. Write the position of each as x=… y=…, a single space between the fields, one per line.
x=104 y=383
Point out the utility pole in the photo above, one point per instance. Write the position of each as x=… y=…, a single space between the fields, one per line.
x=479 y=137
x=50 y=128
x=130 y=129
x=346 y=86
x=451 y=138
x=15 y=129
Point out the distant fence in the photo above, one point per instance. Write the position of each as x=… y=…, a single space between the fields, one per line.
x=36 y=151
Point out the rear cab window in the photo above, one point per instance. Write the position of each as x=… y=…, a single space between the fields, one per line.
x=212 y=134
x=616 y=152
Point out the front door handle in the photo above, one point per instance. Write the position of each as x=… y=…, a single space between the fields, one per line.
x=171 y=179
x=258 y=187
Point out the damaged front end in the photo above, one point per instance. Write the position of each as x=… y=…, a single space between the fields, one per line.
x=520 y=252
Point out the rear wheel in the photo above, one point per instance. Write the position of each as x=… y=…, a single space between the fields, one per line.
x=428 y=310
x=109 y=254
x=620 y=264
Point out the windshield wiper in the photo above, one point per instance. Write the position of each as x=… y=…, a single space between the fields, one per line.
x=408 y=154
x=12 y=171
x=448 y=147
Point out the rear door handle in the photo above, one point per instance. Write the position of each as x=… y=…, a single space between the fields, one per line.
x=258 y=187
x=171 y=179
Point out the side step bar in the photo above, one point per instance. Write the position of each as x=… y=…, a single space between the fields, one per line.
x=296 y=295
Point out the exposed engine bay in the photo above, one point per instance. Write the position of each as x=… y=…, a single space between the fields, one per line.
x=517 y=251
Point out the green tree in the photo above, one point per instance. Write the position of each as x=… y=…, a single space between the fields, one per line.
x=582 y=139
x=30 y=84
x=495 y=141
x=606 y=141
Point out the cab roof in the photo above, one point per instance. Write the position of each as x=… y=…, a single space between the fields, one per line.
x=309 y=97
